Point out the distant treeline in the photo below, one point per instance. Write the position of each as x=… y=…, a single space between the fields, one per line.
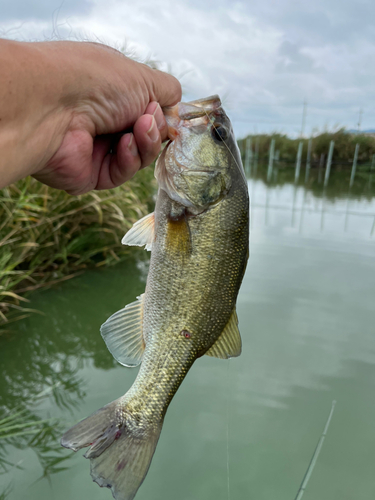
x=286 y=148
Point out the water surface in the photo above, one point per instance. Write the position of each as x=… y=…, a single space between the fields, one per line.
x=306 y=312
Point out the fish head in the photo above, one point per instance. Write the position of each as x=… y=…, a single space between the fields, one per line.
x=197 y=166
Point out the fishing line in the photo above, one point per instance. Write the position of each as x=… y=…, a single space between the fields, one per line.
x=212 y=121
x=315 y=456
x=228 y=394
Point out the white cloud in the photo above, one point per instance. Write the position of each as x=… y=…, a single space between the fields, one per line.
x=264 y=58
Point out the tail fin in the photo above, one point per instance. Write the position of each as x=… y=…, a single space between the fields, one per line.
x=120 y=451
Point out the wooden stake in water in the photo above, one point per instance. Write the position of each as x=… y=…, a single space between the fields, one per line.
x=329 y=161
x=303 y=117
x=298 y=162
x=308 y=161
x=321 y=161
x=354 y=167
x=315 y=455
x=276 y=170
x=256 y=156
x=371 y=170
x=270 y=160
x=248 y=155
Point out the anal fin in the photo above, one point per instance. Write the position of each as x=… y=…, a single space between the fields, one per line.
x=228 y=345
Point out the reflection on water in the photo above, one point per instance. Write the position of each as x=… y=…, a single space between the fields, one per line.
x=310 y=206
x=306 y=318
x=50 y=355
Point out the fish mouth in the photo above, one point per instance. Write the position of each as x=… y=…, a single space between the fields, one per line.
x=193 y=109
x=200 y=109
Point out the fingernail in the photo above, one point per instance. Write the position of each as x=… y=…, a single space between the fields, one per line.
x=132 y=146
x=159 y=117
x=153 y=131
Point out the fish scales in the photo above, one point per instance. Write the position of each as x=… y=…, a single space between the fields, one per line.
x=198 y=236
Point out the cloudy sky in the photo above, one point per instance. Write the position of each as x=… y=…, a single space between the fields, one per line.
x=264 y=58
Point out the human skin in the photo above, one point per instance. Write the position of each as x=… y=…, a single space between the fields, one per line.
x=79 y=116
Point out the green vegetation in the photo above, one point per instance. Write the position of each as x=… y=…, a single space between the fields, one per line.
x=47 y=236
x=343 y=152
x=22 y=428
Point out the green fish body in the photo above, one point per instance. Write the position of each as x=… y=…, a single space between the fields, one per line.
x=198 y=237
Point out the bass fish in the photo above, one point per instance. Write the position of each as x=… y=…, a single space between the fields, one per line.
x=199 y=239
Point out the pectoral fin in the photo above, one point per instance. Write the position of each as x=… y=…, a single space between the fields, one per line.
x=123 y=334
x=142 y=233
x=228 y=345
x=178 y=239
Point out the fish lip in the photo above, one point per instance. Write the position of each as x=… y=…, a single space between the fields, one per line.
x=210 y=103
x=193 y=109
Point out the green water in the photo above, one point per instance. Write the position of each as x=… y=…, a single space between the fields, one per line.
x=306 y=312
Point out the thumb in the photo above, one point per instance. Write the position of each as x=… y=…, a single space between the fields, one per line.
x=163 y=88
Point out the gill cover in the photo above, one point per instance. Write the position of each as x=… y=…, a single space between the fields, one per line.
x=194 y=168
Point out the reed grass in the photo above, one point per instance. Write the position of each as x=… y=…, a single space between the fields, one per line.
x=48 y=236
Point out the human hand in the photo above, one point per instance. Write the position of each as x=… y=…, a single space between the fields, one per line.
x=123 y=95
x=93 y=116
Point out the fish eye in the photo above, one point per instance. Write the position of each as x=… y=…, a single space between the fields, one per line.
x=219 y=132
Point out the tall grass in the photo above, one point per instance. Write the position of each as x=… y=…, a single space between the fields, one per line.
x=47 y=236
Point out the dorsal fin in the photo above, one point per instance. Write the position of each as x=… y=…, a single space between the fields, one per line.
x=142 y=233
x=228 y=345
x=123 y=334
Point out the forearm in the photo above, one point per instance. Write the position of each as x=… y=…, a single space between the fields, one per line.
x=34 y=114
